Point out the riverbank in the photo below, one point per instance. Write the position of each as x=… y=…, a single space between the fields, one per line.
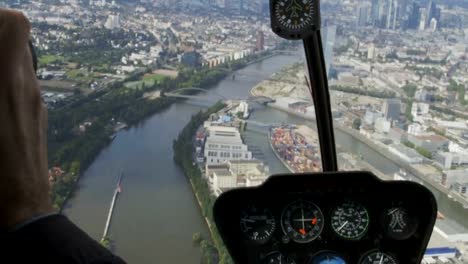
x=158 y=208
x=67 y=148
x=183 y=149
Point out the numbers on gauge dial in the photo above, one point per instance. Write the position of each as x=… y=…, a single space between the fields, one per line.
x=257 y=224
x=278 y=258
x=350 y=220
x=302 y=221
x=295 y=15
x=377 y=257
x=399 y=224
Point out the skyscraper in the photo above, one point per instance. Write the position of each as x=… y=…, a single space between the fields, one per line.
x=392 y=109
x=433 y=25
x=423 y=19
x=391 y=14
x=414 y=16
x=260 y=43
x=430 y=12
x=363 y=15
x=403 y=8
x=328 y=40
x=375 y=11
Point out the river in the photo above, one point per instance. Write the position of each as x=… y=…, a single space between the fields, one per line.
x=156 y=213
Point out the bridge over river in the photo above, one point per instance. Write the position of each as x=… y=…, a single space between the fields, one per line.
x=208 y=95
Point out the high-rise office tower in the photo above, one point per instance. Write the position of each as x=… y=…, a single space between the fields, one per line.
x=392 y=109
x=375 y=11
x=363 y=15
x=433 y=25
x=431 y=12
x=260 y=43
x=328 y=40
x=414 y=16
x=403 y=8
x=422 y=21
x=391 y=14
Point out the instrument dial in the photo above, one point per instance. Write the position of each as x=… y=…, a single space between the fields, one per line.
x=350 y=220
x=328 y=257
x=257 y=224
x=278 y=258
x=377 y=257
x=295 y=15
x=399 y=224
x=302 y=221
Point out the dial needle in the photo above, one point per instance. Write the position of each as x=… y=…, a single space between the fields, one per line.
x=303 y=220
x=248 y=220
x=393 y=211
x=381 y=259
x=343 y=225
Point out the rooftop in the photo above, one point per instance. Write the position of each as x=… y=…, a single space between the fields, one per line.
x=223 y=173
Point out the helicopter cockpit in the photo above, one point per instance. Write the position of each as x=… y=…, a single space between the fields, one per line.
x=324 y=218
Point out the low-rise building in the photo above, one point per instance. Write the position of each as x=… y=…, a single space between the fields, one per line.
x=235 y=174
x=448 y=159
x=430 y=142
x=450 y=177
x=254 y=171
x=407 y=154
x=225 y=144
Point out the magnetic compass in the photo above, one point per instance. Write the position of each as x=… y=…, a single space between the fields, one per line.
x=294 y=19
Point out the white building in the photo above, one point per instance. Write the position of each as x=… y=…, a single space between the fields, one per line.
x=244 y=109
x=420 y=109
x=223 y=181
x=225 y=144
x=236 y=173
x=371 y=116
x=416 y=129
x=254 y=171
x=451 y=177
x=372 y=53
x=420 y=112
x=112 y=22
x=433 y=25
x=382 y=125
x=448 y=159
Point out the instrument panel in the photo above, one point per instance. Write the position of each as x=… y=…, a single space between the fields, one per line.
x=327 y=218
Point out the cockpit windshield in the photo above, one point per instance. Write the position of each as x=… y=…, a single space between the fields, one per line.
x=157 y=107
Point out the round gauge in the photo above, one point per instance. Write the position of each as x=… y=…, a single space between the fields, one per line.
x=302 y=221
x=350 y=220
x=399 y=224
x=257 y=224
x=295 y=15
x=278 y=258
x=377 y=257
x=328 y=257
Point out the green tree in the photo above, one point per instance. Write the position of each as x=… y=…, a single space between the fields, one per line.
x=409 y=107
x=410 y=90
x=197 y=238
x=75 y=167
x=357 y=123
x=424 y=152
x=408 y=144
